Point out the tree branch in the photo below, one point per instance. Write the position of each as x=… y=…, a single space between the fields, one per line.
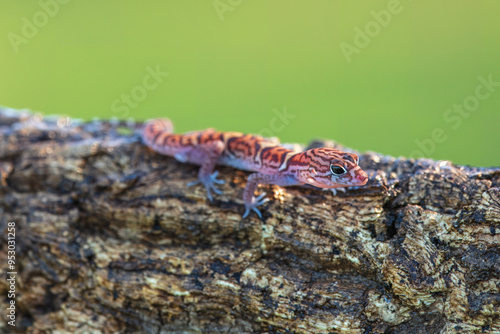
x=109 y=238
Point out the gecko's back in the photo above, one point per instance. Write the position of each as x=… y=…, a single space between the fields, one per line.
x=242 y=151
x=253 y=153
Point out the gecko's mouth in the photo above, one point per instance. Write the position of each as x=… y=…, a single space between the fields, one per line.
x=357 y=179
x=361 y=179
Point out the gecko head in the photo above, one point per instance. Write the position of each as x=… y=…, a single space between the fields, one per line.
x=331 y=168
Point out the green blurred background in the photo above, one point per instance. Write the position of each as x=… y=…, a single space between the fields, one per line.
x=378 y=75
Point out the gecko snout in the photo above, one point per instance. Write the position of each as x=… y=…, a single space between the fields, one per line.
x=361 y=177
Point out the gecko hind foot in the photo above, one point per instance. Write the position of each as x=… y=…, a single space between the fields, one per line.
x=252 y=206
x=210 y=181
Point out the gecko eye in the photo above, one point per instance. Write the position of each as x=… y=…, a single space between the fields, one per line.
x=337 y=170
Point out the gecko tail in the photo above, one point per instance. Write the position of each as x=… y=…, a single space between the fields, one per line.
x=153 y=128
x=159 y=125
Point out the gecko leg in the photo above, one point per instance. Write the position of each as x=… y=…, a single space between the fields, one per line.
x=252 y=202
x=207 y=155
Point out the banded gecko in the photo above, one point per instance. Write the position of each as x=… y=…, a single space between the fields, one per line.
x=273 y=164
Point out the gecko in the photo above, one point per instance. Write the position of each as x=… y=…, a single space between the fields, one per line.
x=271 y=163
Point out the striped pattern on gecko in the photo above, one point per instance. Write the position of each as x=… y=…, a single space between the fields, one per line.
x=273 y=164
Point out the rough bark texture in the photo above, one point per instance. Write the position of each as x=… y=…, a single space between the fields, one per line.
x=109 y=239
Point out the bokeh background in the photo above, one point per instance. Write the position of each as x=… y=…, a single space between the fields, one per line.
x=386 y=76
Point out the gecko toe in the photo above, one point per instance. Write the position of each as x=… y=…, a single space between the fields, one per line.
x=265 y=200
x=251 y=208
x=261 y=200
x=216 y=190
x=214 y=179
x=209 y=195
x=247 y=211
x=211 y=187
x=193 y=183
x=257 y=211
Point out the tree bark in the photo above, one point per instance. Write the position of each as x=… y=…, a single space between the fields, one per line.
x=109 y=238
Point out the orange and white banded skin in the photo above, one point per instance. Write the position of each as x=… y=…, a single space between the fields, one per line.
x=273 y=164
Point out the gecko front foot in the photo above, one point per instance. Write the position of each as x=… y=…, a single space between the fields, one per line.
x=334 y=190
x=254 y=203
x=210 y=181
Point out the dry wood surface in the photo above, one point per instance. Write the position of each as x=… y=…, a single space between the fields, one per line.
x=109 y=239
